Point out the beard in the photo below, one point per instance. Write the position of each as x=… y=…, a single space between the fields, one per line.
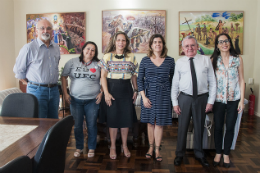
x=45 y=36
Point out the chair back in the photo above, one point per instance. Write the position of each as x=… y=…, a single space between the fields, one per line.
x=5 y=93
x=50 y=156
x=20 y=105
x=22 y=164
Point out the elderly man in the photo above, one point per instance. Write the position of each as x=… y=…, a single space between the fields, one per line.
x=193 y=94
x=37 y=66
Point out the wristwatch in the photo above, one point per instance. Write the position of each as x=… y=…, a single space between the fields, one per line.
x=136 y=90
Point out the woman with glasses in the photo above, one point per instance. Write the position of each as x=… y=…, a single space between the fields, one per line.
x=85 y=95
x=228 y=67
x=118 y=68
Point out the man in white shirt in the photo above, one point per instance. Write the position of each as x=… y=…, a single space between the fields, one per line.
x=193 y=94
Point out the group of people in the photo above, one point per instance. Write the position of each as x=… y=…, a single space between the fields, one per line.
x=106 y=90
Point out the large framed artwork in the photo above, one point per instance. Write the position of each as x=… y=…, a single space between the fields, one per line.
x=69 y=30
x=139 y=25
x=205 y=26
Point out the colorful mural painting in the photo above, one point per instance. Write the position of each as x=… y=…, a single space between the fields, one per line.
x=138 y=25
x=205 y=26
x=69 y=30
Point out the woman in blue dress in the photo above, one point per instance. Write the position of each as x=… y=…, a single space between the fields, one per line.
x=154 y=83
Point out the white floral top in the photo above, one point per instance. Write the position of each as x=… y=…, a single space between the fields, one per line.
x=227 y=80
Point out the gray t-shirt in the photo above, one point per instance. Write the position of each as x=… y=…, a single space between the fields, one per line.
x=85 y=80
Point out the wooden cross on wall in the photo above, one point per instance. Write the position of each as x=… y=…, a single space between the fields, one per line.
x=187 y=21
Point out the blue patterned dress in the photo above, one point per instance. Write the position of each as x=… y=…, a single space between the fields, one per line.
x=156 y=82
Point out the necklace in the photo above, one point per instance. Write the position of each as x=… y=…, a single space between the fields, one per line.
x=86 y=63
x=119 y=56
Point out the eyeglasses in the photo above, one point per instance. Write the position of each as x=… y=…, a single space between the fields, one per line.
x=42 y=28
x=192 y=46
x=223 y=41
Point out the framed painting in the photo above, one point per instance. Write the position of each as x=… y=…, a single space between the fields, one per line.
x=139 y=25
x=69 y=30
x=205 y=26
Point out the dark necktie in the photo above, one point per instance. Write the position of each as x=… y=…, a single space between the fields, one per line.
x=194 y=79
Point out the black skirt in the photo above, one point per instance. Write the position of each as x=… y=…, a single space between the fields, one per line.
x=121 y=113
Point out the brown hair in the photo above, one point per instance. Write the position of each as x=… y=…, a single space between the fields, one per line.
x=150 y=51
x=112 y=43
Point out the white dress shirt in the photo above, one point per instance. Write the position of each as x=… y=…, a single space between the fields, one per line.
x=182 y=80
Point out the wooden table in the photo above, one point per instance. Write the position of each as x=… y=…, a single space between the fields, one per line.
x=28 y=144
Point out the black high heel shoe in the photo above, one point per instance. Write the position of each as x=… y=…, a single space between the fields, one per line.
x=226 y=165
x=158 y=158
x=148 y=155
x=216 y=163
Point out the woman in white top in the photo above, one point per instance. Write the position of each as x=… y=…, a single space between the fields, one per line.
x=228 y=67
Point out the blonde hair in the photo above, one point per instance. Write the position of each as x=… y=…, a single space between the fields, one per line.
x=112 y=43
x=150 y=51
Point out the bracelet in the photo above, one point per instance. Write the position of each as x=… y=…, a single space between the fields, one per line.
x=136 y=90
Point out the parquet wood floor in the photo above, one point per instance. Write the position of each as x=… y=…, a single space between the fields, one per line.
x=245 y=158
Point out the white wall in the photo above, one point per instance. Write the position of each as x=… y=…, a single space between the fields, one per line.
x=7 y=44
x=93 y=9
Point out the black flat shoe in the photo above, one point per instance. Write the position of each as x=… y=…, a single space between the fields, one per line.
x=178 y=160
x=203 y=161
x=216 y=163
x=226 y=165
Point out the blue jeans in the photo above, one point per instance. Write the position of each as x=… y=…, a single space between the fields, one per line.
x=48 y=99
x=78 y=109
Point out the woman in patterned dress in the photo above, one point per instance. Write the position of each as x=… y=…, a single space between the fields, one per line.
x=228 y=67
x=154 y=83
x=118 y=67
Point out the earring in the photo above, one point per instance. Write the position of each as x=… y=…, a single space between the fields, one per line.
x=218 y=49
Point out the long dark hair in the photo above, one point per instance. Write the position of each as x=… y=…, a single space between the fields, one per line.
x=216 y=52
x=112 y=43
x=95 y=58
x=164 y=51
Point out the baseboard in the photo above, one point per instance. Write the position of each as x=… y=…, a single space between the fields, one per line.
x=257 y=114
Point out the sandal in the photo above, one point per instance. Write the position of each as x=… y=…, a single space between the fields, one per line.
x=78 y=152
x=126 y=154
x=91 y=153
x=113 y=157
x=158 y=158
x=148 y=155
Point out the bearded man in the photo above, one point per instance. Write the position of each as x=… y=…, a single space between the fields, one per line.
x=37 y=66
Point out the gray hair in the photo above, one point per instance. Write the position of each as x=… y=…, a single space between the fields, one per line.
x=42 y=20
x=189 y=37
